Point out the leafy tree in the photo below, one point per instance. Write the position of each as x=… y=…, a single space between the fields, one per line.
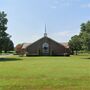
x=71 y=46
x=3 y=23
x=5 y=42
x=85 y=35
x=18 y=48
x=85 y=38
x=75 y=44
x=88 y=27
x=8 y=45
x=83 y=27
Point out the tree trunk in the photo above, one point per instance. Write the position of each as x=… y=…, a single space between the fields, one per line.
x=5 y=51
x=76 y=52
x=0 y=51
x=72 y=52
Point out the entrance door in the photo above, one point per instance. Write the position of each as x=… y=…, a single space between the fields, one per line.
x=45 y=49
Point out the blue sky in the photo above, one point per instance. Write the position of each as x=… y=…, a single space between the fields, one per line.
x=27 y=18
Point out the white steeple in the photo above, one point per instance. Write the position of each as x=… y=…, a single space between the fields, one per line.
x=45 y=34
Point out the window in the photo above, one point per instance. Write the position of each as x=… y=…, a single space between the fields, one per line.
x=45 y=47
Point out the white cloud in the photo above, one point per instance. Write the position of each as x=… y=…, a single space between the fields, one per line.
x=64 y=33
x=65 y=4
x=60 y=3
x=64 y=36
x=53 y=7
x=85 y=5
x=54 y=4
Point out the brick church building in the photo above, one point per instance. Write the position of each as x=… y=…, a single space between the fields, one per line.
x=45 y=46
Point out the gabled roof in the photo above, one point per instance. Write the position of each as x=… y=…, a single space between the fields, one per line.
x=56 y=41
x=25 y=45
x=62 y=44
x=66 y=44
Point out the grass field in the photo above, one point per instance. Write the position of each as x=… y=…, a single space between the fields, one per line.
x=45 y=73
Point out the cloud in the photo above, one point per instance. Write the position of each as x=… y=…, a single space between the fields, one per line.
x=64 y=36
x=56 y=1
x=53 y=7
x=85 y=5
x=60 y=36
x=68 y=3
x=65 y=4
x=54 y=4
x=64 y=33
x=60 y=3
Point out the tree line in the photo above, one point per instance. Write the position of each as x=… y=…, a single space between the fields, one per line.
x=6 y=44
x=81 y=41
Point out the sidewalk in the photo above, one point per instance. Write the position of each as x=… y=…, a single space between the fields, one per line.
x=5 y=55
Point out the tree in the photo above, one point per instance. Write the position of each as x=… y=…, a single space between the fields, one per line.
x=10 y=45
x=5 y=41
x=18 y=48
x=83 y=27
x=85 y=38
x=75 y=44
x=71 y=46
x=7 y=45
x=81 y=41
x=85 y=35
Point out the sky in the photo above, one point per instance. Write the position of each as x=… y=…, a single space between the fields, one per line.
x=27 y=18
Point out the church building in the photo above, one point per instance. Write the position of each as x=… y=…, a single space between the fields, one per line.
x=45 y=46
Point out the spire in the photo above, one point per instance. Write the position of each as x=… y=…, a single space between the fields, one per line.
x=45 y=34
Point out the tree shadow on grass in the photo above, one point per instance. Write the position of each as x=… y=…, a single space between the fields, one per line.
x=86 y=58
x=9 y=59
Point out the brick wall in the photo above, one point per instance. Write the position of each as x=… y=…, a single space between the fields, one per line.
x=54 y=48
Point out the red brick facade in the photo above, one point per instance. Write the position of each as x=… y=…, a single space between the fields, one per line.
x=46 y=47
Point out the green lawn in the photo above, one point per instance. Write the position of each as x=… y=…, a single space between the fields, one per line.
x=45 y=73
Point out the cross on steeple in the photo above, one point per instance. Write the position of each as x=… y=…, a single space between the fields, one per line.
x=45 y=34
